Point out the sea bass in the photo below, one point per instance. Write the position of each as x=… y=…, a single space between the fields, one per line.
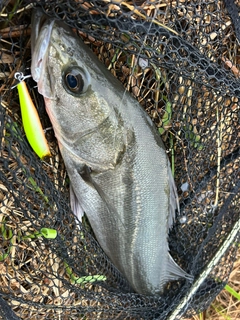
x=118 y=168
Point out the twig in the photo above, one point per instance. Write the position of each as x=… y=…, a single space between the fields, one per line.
x=29 y=6
x=219 y=151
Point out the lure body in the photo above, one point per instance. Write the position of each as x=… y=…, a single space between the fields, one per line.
x=31 y=122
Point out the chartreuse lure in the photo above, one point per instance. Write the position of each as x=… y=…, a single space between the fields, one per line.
x=30 y=118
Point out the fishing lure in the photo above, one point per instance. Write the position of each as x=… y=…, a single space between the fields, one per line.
x=30 y=118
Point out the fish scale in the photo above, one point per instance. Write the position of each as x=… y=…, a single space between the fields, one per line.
x=118 y=168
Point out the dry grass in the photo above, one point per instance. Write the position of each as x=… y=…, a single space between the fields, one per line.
x=225 y=306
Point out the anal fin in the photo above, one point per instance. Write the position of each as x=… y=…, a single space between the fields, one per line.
x=75 y=205
x=175 y=271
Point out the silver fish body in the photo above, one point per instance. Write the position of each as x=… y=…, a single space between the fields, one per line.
x=119 y=171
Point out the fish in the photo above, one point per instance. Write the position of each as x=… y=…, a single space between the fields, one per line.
x=117 y=164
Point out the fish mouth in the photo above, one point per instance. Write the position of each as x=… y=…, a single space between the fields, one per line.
x=42 y=27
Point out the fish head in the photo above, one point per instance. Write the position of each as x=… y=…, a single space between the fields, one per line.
x=69 y=80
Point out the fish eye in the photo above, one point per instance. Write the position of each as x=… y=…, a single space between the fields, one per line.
x=75 y=80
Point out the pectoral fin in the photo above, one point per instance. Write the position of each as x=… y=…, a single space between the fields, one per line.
x=87 y=177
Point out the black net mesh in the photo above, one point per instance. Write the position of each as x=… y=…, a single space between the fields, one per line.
x=180 y=59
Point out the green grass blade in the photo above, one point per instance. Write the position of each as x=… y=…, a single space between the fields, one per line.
x=232 y=292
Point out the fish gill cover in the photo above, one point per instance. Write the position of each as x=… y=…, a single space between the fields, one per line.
x=180 y=61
